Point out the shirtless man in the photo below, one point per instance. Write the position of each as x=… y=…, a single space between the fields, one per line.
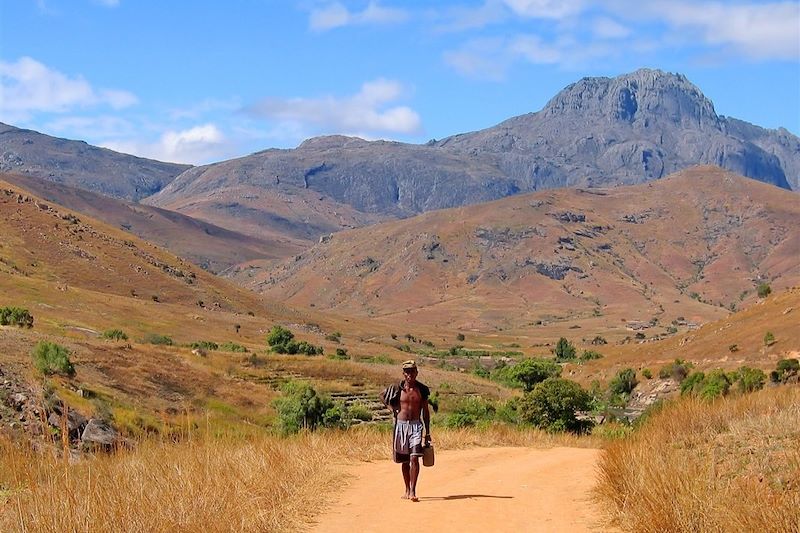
x=409 y=403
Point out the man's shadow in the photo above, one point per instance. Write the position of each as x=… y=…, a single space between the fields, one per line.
x=463 y=497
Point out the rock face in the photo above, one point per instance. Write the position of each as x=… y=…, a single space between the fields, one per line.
x=78 y=164
x=596 y=132
x=629 y=129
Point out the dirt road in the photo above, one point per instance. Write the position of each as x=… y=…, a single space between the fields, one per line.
x=483 y=489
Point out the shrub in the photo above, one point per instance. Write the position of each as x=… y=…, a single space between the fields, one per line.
x=589 y=355
x=229 y=346
x=564 y=350
x=553 y=403
x=204 y=345
x=527 y=373
x=677 y=370
x=733 y=348
x=469 y=411
x=624 y=382
x=598 y=340
x=715 y=384
x=647 y=373
x=52 y=358
x=341 y=354
x=359 y=411
x=155 y=338
x=15 y=316
x=334 y=337
x=764 y=290
x=115 y=335
x=460 y=337
x=693 y=383
x=279 y=335
x=769 y=339
x=750 y=379
x=785 y=369
x=301 y=407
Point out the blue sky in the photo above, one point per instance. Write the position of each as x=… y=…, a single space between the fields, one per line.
x=201 y=81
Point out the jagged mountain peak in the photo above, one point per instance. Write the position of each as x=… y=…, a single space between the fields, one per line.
x=640 y=95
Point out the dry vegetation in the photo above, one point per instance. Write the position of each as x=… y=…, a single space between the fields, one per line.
x=264 y=483
x=730 y=465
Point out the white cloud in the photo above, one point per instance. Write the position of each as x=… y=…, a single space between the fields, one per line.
x=534 y=50
x=336 y=15
x=759 y=31
x=28 y=86
x=197 y=145
x=546 y=9
x=366 y=113
x=606 y=28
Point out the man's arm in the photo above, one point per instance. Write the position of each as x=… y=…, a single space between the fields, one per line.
x=426 y=418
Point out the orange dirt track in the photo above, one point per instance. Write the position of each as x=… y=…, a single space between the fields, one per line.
x=481 y=490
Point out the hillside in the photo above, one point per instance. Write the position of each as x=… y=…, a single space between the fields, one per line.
x=692 y=245
x=78 y=164
x=206 y=245
x=598 y=132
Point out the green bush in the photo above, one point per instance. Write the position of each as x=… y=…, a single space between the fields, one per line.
x=693 y=383
x=52 y=358
x=341 y=354
x=624 y=382
x=677 y=370
x=204 y=345
x=279 y=336
x=785 y=369
x=301 y=407
x=470 y=411
x=750 y=379
x=764 y=290
x=460 y=337
x=115 y=335
x=359 y=411
x=527 y=373
x=769 y=339
x=564 y=350
x=647 y=373
x=589 y=355
x=229 y=346
x=155 y=338
x=15 y=316
x=553 y=403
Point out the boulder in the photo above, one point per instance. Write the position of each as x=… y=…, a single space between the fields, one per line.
x=99 y=433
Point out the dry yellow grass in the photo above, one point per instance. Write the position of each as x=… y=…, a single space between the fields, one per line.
x=731 y=465
x=264 y=483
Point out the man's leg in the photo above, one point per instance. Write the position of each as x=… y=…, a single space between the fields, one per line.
x=413 y=475
x=407 y=479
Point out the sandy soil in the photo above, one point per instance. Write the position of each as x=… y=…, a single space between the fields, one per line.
x=483 y=489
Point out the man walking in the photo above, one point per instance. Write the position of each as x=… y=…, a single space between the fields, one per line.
x=408 y=401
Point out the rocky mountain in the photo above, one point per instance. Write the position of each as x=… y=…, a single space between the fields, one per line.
x=78 y=164
x=692 y=245
x=597 y=132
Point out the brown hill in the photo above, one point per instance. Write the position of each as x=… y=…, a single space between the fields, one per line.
x=205 y=244
x=691 y=246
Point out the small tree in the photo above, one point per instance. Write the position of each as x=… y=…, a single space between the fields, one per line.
x=764 y=290
x=750 y=379
x=552 y=405
x=624 y=382
x=115 y=335
x=52 y=358
x=564 y=350
x=769 y=339
x=531 y=372
x=301 y=407
x=279 y=335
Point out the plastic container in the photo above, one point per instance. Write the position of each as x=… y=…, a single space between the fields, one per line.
x=427 y=455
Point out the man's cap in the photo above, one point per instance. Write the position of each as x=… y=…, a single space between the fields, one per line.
x=408 y=365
